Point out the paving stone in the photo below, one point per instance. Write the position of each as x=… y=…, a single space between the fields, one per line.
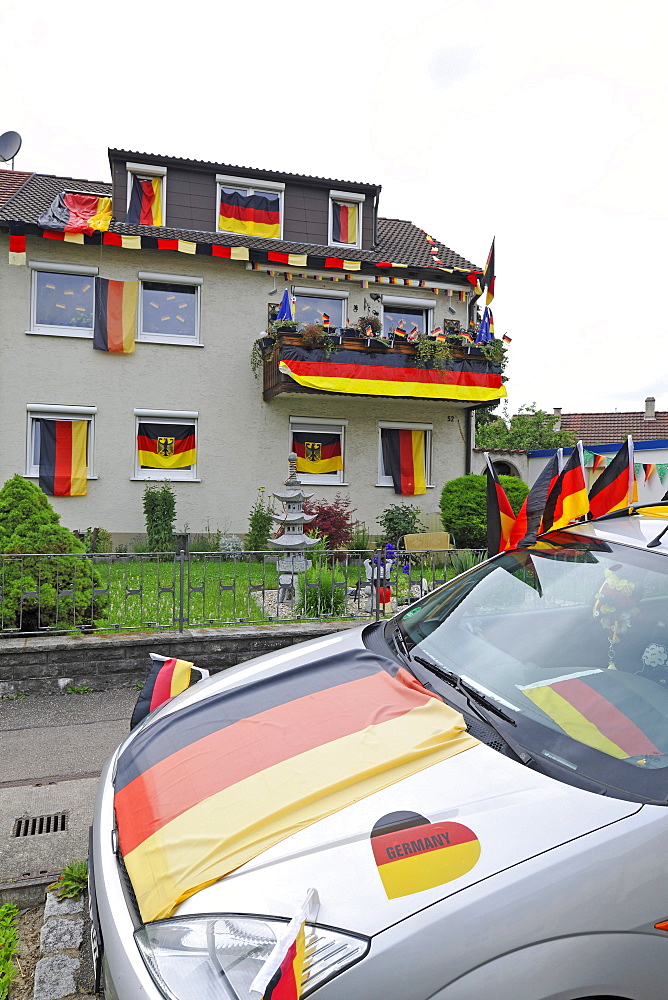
x=54 y=977
x=62 y=907
x=60 y=933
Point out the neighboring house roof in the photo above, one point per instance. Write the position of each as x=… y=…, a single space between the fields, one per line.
x=399 y=241
x=612 y=428
x=11 y=181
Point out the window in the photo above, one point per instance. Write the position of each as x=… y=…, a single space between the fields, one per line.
x=63 y=299
x=404 y=457
x=318 y=444
x=166 y=444
x=250 y=208
x=147 y=190
x=407 y=314
x=38 y=412
x=345 y=218
x=168 y=308
x=312 y=306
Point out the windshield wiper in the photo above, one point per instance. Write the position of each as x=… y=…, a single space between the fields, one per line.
x=400 y=642
x=469 y=692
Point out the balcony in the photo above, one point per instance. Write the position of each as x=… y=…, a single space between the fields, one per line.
x=364 y=367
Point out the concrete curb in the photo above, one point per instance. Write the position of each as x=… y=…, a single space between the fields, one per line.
x=61 y=940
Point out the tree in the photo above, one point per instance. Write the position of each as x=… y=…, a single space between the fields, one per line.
x=260 y=524
x=159 y=516
x=332 y=521
x=40 y=592
x=528 y=428
x=464 y=507
x=397 y=520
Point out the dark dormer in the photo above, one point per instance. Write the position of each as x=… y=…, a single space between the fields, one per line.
x=193 y=195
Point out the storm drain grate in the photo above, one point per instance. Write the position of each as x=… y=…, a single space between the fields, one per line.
x=29 y=826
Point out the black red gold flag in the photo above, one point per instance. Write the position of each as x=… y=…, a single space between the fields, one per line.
x=568 y=498
x=616 y=487
x=166 y=446
x=167 y=678
x=115 y=315
x=317 y=454
x=500 y=515
x=17 y=242
x=250 y=215
x=344 y=223
x=72 y=212
x=404 y=460
x=62 y=457
x=489 y=277
x=145 y=208
x=528 y=522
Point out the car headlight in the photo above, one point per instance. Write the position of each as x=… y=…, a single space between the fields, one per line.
x=217 y=957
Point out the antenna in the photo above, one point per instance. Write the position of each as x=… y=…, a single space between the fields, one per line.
x=10 y=143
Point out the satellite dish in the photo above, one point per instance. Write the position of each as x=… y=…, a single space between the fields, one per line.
x=10 y=143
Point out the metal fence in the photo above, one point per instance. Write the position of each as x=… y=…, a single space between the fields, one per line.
x=65 y=592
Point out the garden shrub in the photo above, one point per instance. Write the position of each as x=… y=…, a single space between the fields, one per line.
x=325 y=599
x=29 y=524
x=332 y=521
x=159 y=516
x=260 y=524
x=464 y=507
x=397 y=520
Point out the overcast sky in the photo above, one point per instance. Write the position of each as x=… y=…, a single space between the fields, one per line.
x=542 y=124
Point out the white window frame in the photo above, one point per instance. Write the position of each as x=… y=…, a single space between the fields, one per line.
x=305 y=423
x=49 y=267
x=405 y=301
x=250 y=187
x=180 y=417
x=58 y=411
x=404 y=425
x=307 y=291
x=162 y=338
x=348 y=197
x=147 y=171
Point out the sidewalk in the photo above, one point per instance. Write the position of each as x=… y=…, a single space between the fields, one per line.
x=51 y=753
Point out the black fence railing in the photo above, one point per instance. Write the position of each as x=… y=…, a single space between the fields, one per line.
x=65 y=592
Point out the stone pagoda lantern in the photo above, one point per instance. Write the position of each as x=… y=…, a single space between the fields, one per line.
x=293 y=541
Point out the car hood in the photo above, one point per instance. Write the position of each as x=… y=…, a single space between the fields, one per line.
x=414 y=843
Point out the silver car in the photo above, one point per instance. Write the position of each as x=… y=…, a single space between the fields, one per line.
x=472 y=796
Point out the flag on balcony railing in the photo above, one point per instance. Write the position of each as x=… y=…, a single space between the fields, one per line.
x=166 y=446
x=72 y=212
x=500 y=515
x=62 y=457
x=317 y=454
x=404 y=460
x=616 y=487
x=344 y=223
x=485 y=332
x=115 y=315
x=250 y=214
x=568 y=498
x=145 y=207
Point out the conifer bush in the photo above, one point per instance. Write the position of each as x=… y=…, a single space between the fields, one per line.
x=464 y=507
x=62 y=585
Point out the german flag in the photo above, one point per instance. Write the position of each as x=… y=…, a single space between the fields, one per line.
x=528 y=522
x=167 y=678
x=344 y=223
x=616 y=487
x=500 y=515
x=283 y=974
x=145 y=207
x=250 y=215
x=115 y=315
x=317 y=454
x=568 y=498
x=72 y=212
x=604 y=709
x=199 y=793
x=404 y=460
x=17 y=242
x=599 y=460
x=649 y=469
x=166 y=446
x=62 y=457
x=489 y=277
x=387 y=374
x=413 y=855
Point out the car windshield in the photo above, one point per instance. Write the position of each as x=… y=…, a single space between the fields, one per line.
x=572 y=639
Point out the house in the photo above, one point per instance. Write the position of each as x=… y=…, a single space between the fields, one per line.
x=191 y=270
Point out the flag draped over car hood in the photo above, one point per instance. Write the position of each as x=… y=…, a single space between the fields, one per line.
x=203 y=790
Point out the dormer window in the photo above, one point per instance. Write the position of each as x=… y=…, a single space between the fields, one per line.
x=250 y=208
x=345 y=219
x=146 y=195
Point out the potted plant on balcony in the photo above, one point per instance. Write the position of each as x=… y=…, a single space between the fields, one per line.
x=366 y=323
x=263 y=349
x=285 y=326
x=431 y=353
x=495 y=351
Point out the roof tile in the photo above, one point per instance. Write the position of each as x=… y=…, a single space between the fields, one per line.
x=611 y=428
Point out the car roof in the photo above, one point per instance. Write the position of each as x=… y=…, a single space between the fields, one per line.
x=636 y=525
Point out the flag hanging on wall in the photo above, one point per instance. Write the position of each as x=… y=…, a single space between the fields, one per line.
x=250 y=215
x=568 y=498
x=344 y=223
x=166 y=446
x=115 y=315
x=404 y=460
x=317 y=454
x=145 y=207
x=17 y=242
x=616 y=487
x=500 y=515
x=62 y=457
x=72 y=212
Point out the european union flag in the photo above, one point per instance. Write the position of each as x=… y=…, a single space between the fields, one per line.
x=484 y=334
